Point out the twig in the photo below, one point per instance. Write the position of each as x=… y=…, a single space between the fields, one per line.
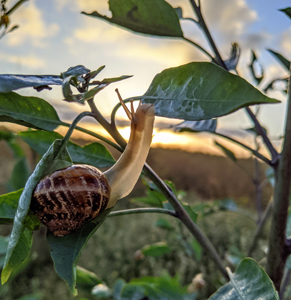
x=266 y=215
x=199 y=47
x=180 y=211
x=254 y=152
x=142 y=211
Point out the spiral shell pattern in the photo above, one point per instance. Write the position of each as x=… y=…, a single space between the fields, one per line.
x=68 y=198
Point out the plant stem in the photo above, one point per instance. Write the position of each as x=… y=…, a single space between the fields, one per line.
x=186 y=220
x=266 y=215
x=96 y=135
x=278 y=254
x=179 y=209
x=285 y=283
x=254 y=152
x=204 y=27
x=199 y=47
x=142 y=211
x=274 y=154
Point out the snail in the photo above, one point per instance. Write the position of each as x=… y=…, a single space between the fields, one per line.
x=68 y=198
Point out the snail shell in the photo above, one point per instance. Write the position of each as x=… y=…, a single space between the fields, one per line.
x=68 y=198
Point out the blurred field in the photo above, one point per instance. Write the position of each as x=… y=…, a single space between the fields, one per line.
x=111 y=251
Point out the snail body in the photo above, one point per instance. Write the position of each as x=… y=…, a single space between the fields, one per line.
x=68 y=198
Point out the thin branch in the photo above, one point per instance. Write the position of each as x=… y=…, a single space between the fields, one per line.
x=265 y=217
x=274 y=154
x=204 y=27
x=180 y=211
x=96 y=135
x=142 y=211
x=277 y=254
x=254 y=152
x=186 y=220
x=199 y=47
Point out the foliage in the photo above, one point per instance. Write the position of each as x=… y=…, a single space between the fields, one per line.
x=196 y=92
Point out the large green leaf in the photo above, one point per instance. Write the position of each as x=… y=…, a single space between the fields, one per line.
x=11 y=82
x=281 y=58
x=20 y=242
x=199 y=91
x=154 y=17
x=249 y=281
x=28 y=111
x=197 y=126
x=66 y=250
x=94 y=154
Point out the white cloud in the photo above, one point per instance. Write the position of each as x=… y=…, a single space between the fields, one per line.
x=28 y=61
x=285 y=41
x=32 y=27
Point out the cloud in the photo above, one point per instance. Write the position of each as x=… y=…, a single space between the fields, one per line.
x=29 y=61
x=285 y=42
x=32 y=27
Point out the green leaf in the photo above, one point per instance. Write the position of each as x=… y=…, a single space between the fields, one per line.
x=192 y=214
x=154 y=17
x=24 y=224
x=117 y=289
x=3 y=248
x=226 y=151
x=156 y=288
x=28 y=111
x=164 y=224
x=75 y=71
x=197 y=126
x=287 y=11
x=199 y=91
x=11 y=82
x=66 y=250
x=8 y=206
x=86 y=279
x=156 y=249
x=249 y=281
x=281 y=58
x=19 y=176
x=94 y=154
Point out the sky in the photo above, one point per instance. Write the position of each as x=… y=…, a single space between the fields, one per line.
x=54 y=35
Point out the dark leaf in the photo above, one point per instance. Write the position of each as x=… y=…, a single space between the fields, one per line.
x=281 y=58
x=154 y=17
x=200 y=91
x=8 y=206
x=94 y=154
x=11 y=82
x=287 y=11
x=197 y=126
x=20 y=174
x=66 y=250
x=28 y=111
x=226 y=151
x=164 y=224
x=75 y=71
x=24 y=223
